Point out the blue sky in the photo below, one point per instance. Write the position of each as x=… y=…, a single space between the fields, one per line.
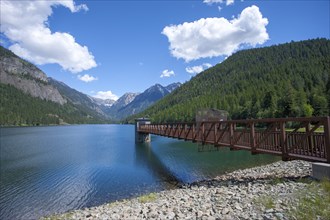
x=107 y=48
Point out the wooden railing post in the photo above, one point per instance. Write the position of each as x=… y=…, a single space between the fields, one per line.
x=193 y=133
x=231 y=134
x=252 y=139
x=203 y=133
x=215 y=133
x=283 y=139
x=310 y=145
x=327 y=137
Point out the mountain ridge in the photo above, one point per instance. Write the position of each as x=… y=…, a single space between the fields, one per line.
x=143 y=100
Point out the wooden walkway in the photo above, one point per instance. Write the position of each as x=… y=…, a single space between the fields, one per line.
x=269 y=136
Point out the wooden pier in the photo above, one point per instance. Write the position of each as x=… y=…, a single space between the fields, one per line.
x=291 y=138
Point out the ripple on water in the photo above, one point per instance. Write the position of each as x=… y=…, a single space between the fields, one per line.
x=47 y=170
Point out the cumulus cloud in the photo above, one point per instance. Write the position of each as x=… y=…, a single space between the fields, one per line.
x=25 y=23
x=87 y=78
x=167 y=73
x=106 y=95
x=198 y=69
x=211 y=37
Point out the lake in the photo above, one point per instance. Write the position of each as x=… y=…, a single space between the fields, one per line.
x=47 y=170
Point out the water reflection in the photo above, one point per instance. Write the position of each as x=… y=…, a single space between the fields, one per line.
x=146 y=157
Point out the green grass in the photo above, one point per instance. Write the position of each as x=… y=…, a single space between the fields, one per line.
x=266 y=201
x=148 y=198
x=319 y=129
x=313 y=203
x=276 y=180
x=68 y=215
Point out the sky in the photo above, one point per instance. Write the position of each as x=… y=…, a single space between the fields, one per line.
x=107 y=48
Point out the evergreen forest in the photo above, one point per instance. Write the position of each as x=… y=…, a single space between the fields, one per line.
x=287 y=80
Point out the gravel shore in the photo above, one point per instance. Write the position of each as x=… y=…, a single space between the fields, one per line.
x=265 y=192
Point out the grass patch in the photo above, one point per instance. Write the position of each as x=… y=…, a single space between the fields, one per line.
x=148 y=198
x=313 y=203
x=319 y=129
x=265 y=201
x=325 y=185
x=68 y=215
x=276 y=180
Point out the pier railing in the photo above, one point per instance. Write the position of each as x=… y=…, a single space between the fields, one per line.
x=291 y=138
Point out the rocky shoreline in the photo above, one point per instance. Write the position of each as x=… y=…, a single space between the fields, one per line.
x=265 y=192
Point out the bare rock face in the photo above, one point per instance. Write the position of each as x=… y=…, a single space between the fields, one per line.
x=27 y=77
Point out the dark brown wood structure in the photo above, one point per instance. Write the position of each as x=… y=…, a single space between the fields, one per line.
x=270 y=136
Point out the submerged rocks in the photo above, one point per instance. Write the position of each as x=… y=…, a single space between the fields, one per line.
x=255 y=193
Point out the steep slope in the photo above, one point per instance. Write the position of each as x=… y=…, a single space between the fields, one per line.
x=103 y=102
x=277 y=81
x=114 y=110
x=19 y=108
x=28 y=97
x=79 y=99
x=26 y=77
x=145 y=99
x=171 y=87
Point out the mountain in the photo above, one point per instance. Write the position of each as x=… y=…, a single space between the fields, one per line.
x=28 y=97
x=103 y=102
x=170 y=88
x=114 y=109
x=26 y=77
x=80 y=100
x=286 y=80
x=136 y=103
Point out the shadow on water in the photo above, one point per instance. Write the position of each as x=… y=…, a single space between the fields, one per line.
x=147 y=158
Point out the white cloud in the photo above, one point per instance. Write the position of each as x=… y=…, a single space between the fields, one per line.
x=198 y=69
x=106 y=95
x=229 y=2
x=167 y=73
x=87 y=78
x=25 y=23
x=210 y=2
x=211 y=37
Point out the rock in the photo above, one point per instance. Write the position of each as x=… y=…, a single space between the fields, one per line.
x=171 y=215
x=28 y=78
x=225 y=211
x=279 y=215
x=269 y=210
x=238 y=207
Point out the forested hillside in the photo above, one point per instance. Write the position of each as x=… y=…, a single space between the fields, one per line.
x=28 y=97
x=287 y=80
x=18 y=108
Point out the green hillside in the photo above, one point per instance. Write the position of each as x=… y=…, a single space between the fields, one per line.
x=291 y=79
x=18 y=108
